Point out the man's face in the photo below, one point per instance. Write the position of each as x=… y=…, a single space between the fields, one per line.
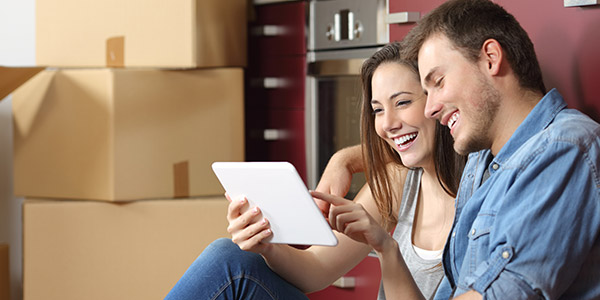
x=459 y=94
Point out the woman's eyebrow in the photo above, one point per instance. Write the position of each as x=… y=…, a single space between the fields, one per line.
x=394 y=95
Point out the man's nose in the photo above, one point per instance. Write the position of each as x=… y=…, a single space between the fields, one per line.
x=433 y=109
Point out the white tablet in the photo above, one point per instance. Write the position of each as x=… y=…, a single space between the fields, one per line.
x=277 y=189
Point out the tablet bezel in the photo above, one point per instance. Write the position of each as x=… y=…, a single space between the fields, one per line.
x=277 y=189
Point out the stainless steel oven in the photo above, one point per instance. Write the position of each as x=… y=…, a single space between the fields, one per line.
x=342 y=34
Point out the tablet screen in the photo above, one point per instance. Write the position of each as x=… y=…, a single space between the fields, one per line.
x=277 y=189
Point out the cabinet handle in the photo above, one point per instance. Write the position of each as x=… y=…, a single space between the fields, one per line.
x=274 y=134
x=268 y=30
x=403 y=17
x=270 y=82
x=571 y=3
x=345 y=282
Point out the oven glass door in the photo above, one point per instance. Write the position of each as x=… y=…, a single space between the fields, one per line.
x=338 y=111
x=336 y=118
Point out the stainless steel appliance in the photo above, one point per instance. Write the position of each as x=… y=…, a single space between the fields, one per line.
x=342 y=34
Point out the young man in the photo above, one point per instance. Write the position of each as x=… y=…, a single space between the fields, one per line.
x=528 y=209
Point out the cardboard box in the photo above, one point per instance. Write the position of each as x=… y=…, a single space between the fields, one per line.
x=124 y=134
x=13 y=77
x=101 y=250
x=141 y=33
x=4 y=272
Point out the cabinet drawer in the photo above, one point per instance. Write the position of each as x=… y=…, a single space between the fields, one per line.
x=276 y=135
x=279 y=83
x=279 y=29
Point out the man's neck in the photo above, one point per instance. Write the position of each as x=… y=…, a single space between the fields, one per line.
x=514 y=109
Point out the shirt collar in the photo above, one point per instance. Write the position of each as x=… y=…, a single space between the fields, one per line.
x=538 y=119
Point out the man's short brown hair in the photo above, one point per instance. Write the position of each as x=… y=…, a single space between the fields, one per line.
x=468 y=24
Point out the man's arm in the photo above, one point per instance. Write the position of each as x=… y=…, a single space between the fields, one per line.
x=337 y=176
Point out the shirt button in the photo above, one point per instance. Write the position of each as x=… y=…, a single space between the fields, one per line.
x=453 y=233
x=505 y=254
x=495 y=166
x=473 y=231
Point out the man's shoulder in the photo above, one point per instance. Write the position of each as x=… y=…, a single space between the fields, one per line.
x=569 y=135
x=573 y=126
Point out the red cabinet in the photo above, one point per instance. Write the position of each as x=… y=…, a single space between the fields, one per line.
x=366 y=276
x=275 y=84
x=278 y=29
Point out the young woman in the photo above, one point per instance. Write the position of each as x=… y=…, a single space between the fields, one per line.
x=412 y=175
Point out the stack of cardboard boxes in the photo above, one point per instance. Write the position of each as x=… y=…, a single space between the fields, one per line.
x=113 y=144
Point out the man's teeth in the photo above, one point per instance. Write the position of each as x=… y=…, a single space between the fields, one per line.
x=453 y=120
x=405 y=138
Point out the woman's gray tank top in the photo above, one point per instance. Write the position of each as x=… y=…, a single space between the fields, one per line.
x=427 y=273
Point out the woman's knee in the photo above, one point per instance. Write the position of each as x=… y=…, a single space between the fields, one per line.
x=222 y=246
x=225 y=251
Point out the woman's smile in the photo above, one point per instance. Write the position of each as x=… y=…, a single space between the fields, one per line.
x=405 y=141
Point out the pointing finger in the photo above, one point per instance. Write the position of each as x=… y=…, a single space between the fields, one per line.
x=335 y=200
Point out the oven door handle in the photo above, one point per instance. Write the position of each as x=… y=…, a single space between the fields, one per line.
x=340 y=67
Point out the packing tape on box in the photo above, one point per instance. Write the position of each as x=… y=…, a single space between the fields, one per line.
x=115 y=52
x=181 y=175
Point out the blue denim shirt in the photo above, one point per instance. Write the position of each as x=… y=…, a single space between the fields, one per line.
x=531 y=231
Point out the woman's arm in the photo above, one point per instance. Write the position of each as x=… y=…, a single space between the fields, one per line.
x=317 y=267
x=309 y=270
x=355 y=220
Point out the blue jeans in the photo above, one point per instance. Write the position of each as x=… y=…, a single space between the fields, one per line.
x=224 y=271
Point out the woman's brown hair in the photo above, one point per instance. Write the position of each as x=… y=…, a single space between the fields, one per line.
x=377 y=154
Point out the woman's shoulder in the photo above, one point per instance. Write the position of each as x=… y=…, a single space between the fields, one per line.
x=397 y=174
x=397 y=179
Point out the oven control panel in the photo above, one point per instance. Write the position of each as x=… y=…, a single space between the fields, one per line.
x=339 y=24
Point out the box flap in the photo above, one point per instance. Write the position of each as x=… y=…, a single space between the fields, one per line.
x=13 y=77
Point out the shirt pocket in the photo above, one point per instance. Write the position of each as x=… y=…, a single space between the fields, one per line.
x=479 y=240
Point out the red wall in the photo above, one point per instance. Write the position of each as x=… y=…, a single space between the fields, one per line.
x=567 y=42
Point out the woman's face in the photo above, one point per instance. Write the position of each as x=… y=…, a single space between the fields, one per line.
x=398 y=104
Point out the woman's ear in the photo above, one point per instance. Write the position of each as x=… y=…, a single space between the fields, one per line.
x=492 y=55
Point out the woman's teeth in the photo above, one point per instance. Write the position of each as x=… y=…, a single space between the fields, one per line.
x=453 y=120
x=405 y=138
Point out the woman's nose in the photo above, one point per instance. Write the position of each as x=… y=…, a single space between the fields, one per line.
x=391 y=122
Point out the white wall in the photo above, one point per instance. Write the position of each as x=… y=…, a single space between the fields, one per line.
x=17 y=48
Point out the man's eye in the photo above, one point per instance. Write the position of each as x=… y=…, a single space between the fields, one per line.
x=438 y=82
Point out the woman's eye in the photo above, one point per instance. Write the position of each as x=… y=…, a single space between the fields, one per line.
x=377 y=110
x=403 y=102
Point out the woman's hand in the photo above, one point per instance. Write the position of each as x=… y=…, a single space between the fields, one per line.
x=353 y=220
x=247 y=226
